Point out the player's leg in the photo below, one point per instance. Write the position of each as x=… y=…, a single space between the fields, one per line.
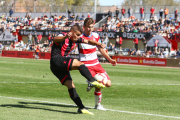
x=67 y=64
x=77 y=65
x=73 y=94
x=98 y=69
x=108 y=84
x=75 y=97
x=97 y=93
x=65 y=79
x=98 y=96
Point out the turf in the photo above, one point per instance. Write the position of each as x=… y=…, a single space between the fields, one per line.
x=135 y=90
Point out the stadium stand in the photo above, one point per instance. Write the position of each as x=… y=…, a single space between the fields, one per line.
x=167 y=27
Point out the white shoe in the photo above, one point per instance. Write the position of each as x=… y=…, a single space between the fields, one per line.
x=99 y=107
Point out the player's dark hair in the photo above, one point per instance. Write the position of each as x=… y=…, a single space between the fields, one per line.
x=77 y=28
x=88 y=21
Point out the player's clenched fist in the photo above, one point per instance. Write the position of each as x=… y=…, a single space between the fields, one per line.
x=102 y=46
x=113 y=62
x=68 y=35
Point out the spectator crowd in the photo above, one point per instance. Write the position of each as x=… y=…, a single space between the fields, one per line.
x=165 y=25
x=35 y=43
x=154 y=25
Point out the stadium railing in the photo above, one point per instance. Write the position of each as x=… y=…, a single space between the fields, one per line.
x=103 y=20
x=1 y=51
x=83 y=9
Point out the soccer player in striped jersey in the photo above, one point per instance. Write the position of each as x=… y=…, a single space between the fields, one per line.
x=61 y=64
x=88 y=56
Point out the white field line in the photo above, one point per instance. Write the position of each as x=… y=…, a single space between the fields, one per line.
x=142 y=84
x=83 y=83
x=129 y=112
x=29 y=82
x=9 y=62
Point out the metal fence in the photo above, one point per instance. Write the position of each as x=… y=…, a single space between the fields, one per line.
x=80 y=9
x=147 y=8
x=136 y=8
x=47 y=9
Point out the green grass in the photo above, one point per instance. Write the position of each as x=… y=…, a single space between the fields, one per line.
x=139 y=89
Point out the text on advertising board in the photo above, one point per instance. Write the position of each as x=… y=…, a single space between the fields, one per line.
x=140 y=61
x=133 y=35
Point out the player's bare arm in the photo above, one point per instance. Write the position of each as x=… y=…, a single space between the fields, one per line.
x=105 y=54
x=62 y=38
x=92 y=42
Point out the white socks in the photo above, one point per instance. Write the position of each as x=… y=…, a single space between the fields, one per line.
x=98 y=97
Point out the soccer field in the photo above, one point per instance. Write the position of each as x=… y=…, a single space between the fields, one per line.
x=29 y=91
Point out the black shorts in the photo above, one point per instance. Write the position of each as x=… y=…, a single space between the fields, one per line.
x=60 y=67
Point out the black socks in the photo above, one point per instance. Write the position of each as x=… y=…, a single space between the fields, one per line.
x=86 y=73
x=75 y=97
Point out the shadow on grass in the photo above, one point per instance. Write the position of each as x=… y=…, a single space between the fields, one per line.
x=49 y=104
x=28 y=105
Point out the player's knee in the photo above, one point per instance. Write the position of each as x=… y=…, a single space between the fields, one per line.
x=77 y=62
x=108 y=83
x=81 y=63
x=69 y=84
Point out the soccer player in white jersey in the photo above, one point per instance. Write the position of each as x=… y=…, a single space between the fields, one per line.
x=88 y=56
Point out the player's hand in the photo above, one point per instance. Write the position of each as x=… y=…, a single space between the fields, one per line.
x=113 y=62
x=68 y=35
x=102 y=46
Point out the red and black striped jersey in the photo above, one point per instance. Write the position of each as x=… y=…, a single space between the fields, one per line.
x=65 y=47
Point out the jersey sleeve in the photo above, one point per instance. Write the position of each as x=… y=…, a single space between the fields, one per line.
x=80 y=40
x=97 y=37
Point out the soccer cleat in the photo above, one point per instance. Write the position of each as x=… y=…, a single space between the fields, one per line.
x=89 y=88
x=96 y=84
x=99 y=107
x=84 y=111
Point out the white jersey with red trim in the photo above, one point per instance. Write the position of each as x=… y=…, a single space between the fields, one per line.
x=87 y=53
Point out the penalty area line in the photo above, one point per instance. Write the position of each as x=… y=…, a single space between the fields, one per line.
x=128 y=112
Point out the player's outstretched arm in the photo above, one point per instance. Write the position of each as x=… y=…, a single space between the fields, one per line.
x=62 y=38
x=105 y=54
x=92 y=42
